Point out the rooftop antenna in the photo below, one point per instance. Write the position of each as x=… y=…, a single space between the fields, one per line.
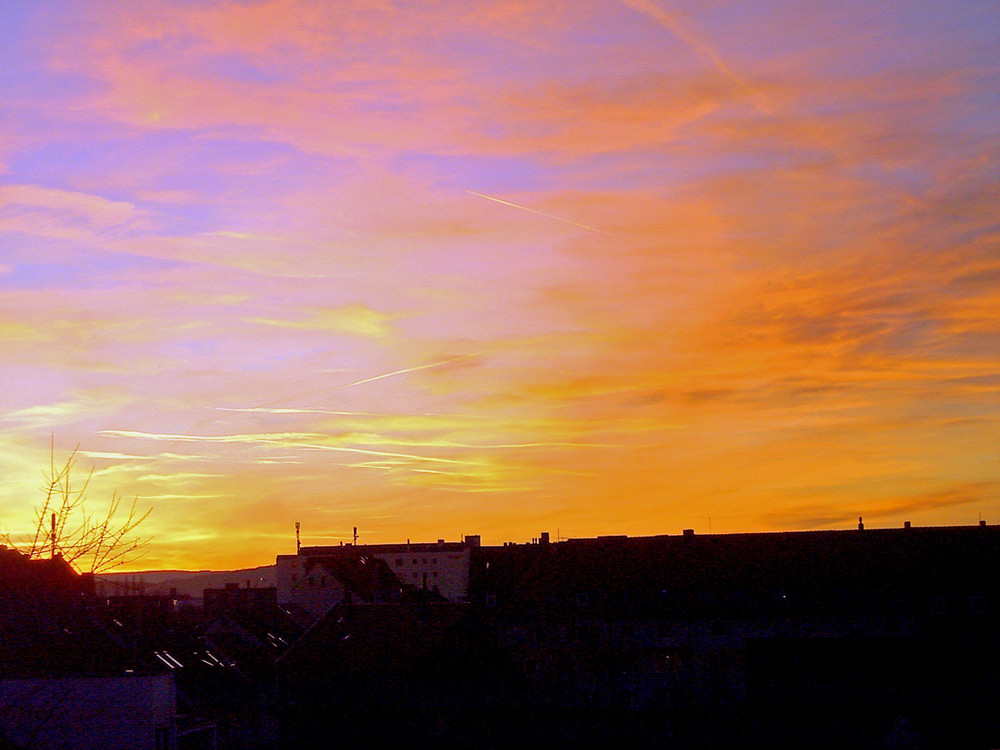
x=298 y=541
x=355 y=536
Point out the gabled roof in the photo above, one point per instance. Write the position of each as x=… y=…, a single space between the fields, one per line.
x=17 y=569
x=365 y=576
x=46 y=623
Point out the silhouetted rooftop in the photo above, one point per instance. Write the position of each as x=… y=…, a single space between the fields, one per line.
x=691 y=575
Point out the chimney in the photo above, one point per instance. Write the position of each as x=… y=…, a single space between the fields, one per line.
x=688 y=532
x=861 y=524
x=544 y=538
x=906 y=524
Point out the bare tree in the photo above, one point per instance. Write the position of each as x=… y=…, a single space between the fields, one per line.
x=90 y=542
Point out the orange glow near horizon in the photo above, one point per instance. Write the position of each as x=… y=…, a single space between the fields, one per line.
x=500 y=268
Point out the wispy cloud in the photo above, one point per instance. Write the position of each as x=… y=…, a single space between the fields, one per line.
x=355 y=319
x=115 y=456
x=63 y=214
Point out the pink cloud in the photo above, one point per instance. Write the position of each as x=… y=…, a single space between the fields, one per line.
x=62 y=213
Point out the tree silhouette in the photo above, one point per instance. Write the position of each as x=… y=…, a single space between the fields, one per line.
x=90 y=542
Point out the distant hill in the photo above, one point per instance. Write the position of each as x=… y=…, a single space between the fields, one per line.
x=187 y=582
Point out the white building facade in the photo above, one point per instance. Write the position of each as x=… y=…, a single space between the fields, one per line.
x=441 y=566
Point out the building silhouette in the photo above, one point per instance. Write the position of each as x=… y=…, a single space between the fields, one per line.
x=64 y=681
x=867 y=638
x=863 y=638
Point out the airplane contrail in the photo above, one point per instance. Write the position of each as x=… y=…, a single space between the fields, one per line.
x=281 y=439
x=672 y=23
x=335 y=413
x=540 y=213
x=395 y=372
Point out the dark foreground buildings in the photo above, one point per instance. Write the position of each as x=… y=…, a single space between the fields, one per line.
x=64 y=681
x=859 y=638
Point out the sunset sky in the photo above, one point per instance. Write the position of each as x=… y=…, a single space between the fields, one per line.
x=441 y=268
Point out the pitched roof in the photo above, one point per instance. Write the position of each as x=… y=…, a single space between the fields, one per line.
x=46 y=623
x=366 y=576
